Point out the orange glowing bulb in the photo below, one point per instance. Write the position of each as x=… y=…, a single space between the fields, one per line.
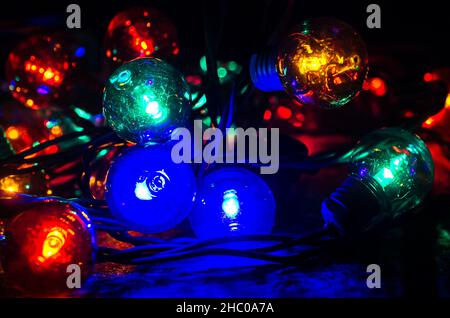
x=55 y=240
x=9 y=184
x=321 y=62
x=12 y=133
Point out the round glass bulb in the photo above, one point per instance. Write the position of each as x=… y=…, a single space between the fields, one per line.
x=145 y=100
x=140 y=32
x=43 y=241
x=148 y=191
x=323 y=62
x=232 y=201
x=40 y=69
x=396 y=165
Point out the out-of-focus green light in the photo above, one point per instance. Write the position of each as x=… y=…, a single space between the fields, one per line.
x=244 y=89
x=218 y=119
x=102 y=153
x=194 y=95
x=50 y=124
x=84 y=139
x=444 y=236
x=82 y=113
x=232 y=66
x=203 y=64
x=207 y=121
x=222 y=72
x=200 y=102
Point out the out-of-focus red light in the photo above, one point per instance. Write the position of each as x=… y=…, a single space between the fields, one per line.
x=284 y=112
x=267 y=115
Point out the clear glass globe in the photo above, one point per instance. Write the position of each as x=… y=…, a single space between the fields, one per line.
x=396 y=165
x=322 y=62
x=145 y=100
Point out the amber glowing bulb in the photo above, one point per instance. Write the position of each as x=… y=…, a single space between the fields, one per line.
x=321 y=62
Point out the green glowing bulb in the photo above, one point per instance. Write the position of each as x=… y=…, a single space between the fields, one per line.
x=391 y=172
x=396 y=166
x=145 y=100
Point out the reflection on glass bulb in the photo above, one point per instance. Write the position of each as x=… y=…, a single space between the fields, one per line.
x=147 y=188
x=230 y=204
x=391 y=172
x=321 y=62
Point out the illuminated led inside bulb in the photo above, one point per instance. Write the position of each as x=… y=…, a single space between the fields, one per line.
x=321 y=62
x=396 y=165
x=145 y=100
x=232 y=201
x=230 y=204
x=53 y=243
x=391 y=172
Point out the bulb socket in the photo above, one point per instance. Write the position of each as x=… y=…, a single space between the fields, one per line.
x=352 y=209
x=263 y=72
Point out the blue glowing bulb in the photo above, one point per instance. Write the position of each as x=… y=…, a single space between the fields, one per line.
x=232 y=201
x=148 y=191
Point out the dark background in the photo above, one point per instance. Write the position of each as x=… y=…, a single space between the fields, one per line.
x=421 y=25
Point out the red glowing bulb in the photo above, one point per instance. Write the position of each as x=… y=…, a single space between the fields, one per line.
x=37 y=68
x=140 y=32
x=43 y=241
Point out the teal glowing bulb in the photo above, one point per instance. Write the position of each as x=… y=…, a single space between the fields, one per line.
x=391 y=172
x=145 y=100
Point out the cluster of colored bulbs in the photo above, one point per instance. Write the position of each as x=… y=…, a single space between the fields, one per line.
x=40 y=69
x=145 y=100
x=321 y=62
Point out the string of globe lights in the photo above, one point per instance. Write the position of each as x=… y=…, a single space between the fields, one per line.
x=131 y=189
